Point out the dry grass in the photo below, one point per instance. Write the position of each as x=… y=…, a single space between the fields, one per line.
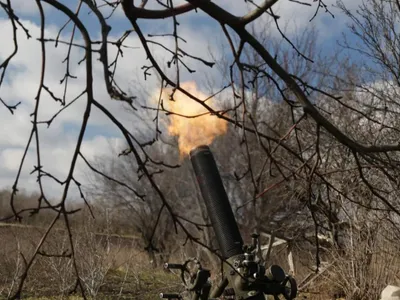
x=110 y=268
x=116 y=267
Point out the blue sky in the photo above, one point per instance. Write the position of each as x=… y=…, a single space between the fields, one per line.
x=203 y=35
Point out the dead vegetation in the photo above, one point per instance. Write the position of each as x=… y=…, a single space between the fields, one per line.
x=110 y=265
x=117 y=266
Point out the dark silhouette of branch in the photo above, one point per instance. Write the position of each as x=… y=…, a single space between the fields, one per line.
x=142 y=13
x=256 y=13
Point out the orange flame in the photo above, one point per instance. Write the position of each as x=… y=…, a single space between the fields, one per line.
x=191 y=131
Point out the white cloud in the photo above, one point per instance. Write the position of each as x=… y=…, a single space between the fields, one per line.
x=24 y=7
x=57 y=143
x=10 y=158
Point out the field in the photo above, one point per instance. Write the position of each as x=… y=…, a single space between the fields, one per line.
x=111 y=266
x=116 y=266
x=117 y=285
